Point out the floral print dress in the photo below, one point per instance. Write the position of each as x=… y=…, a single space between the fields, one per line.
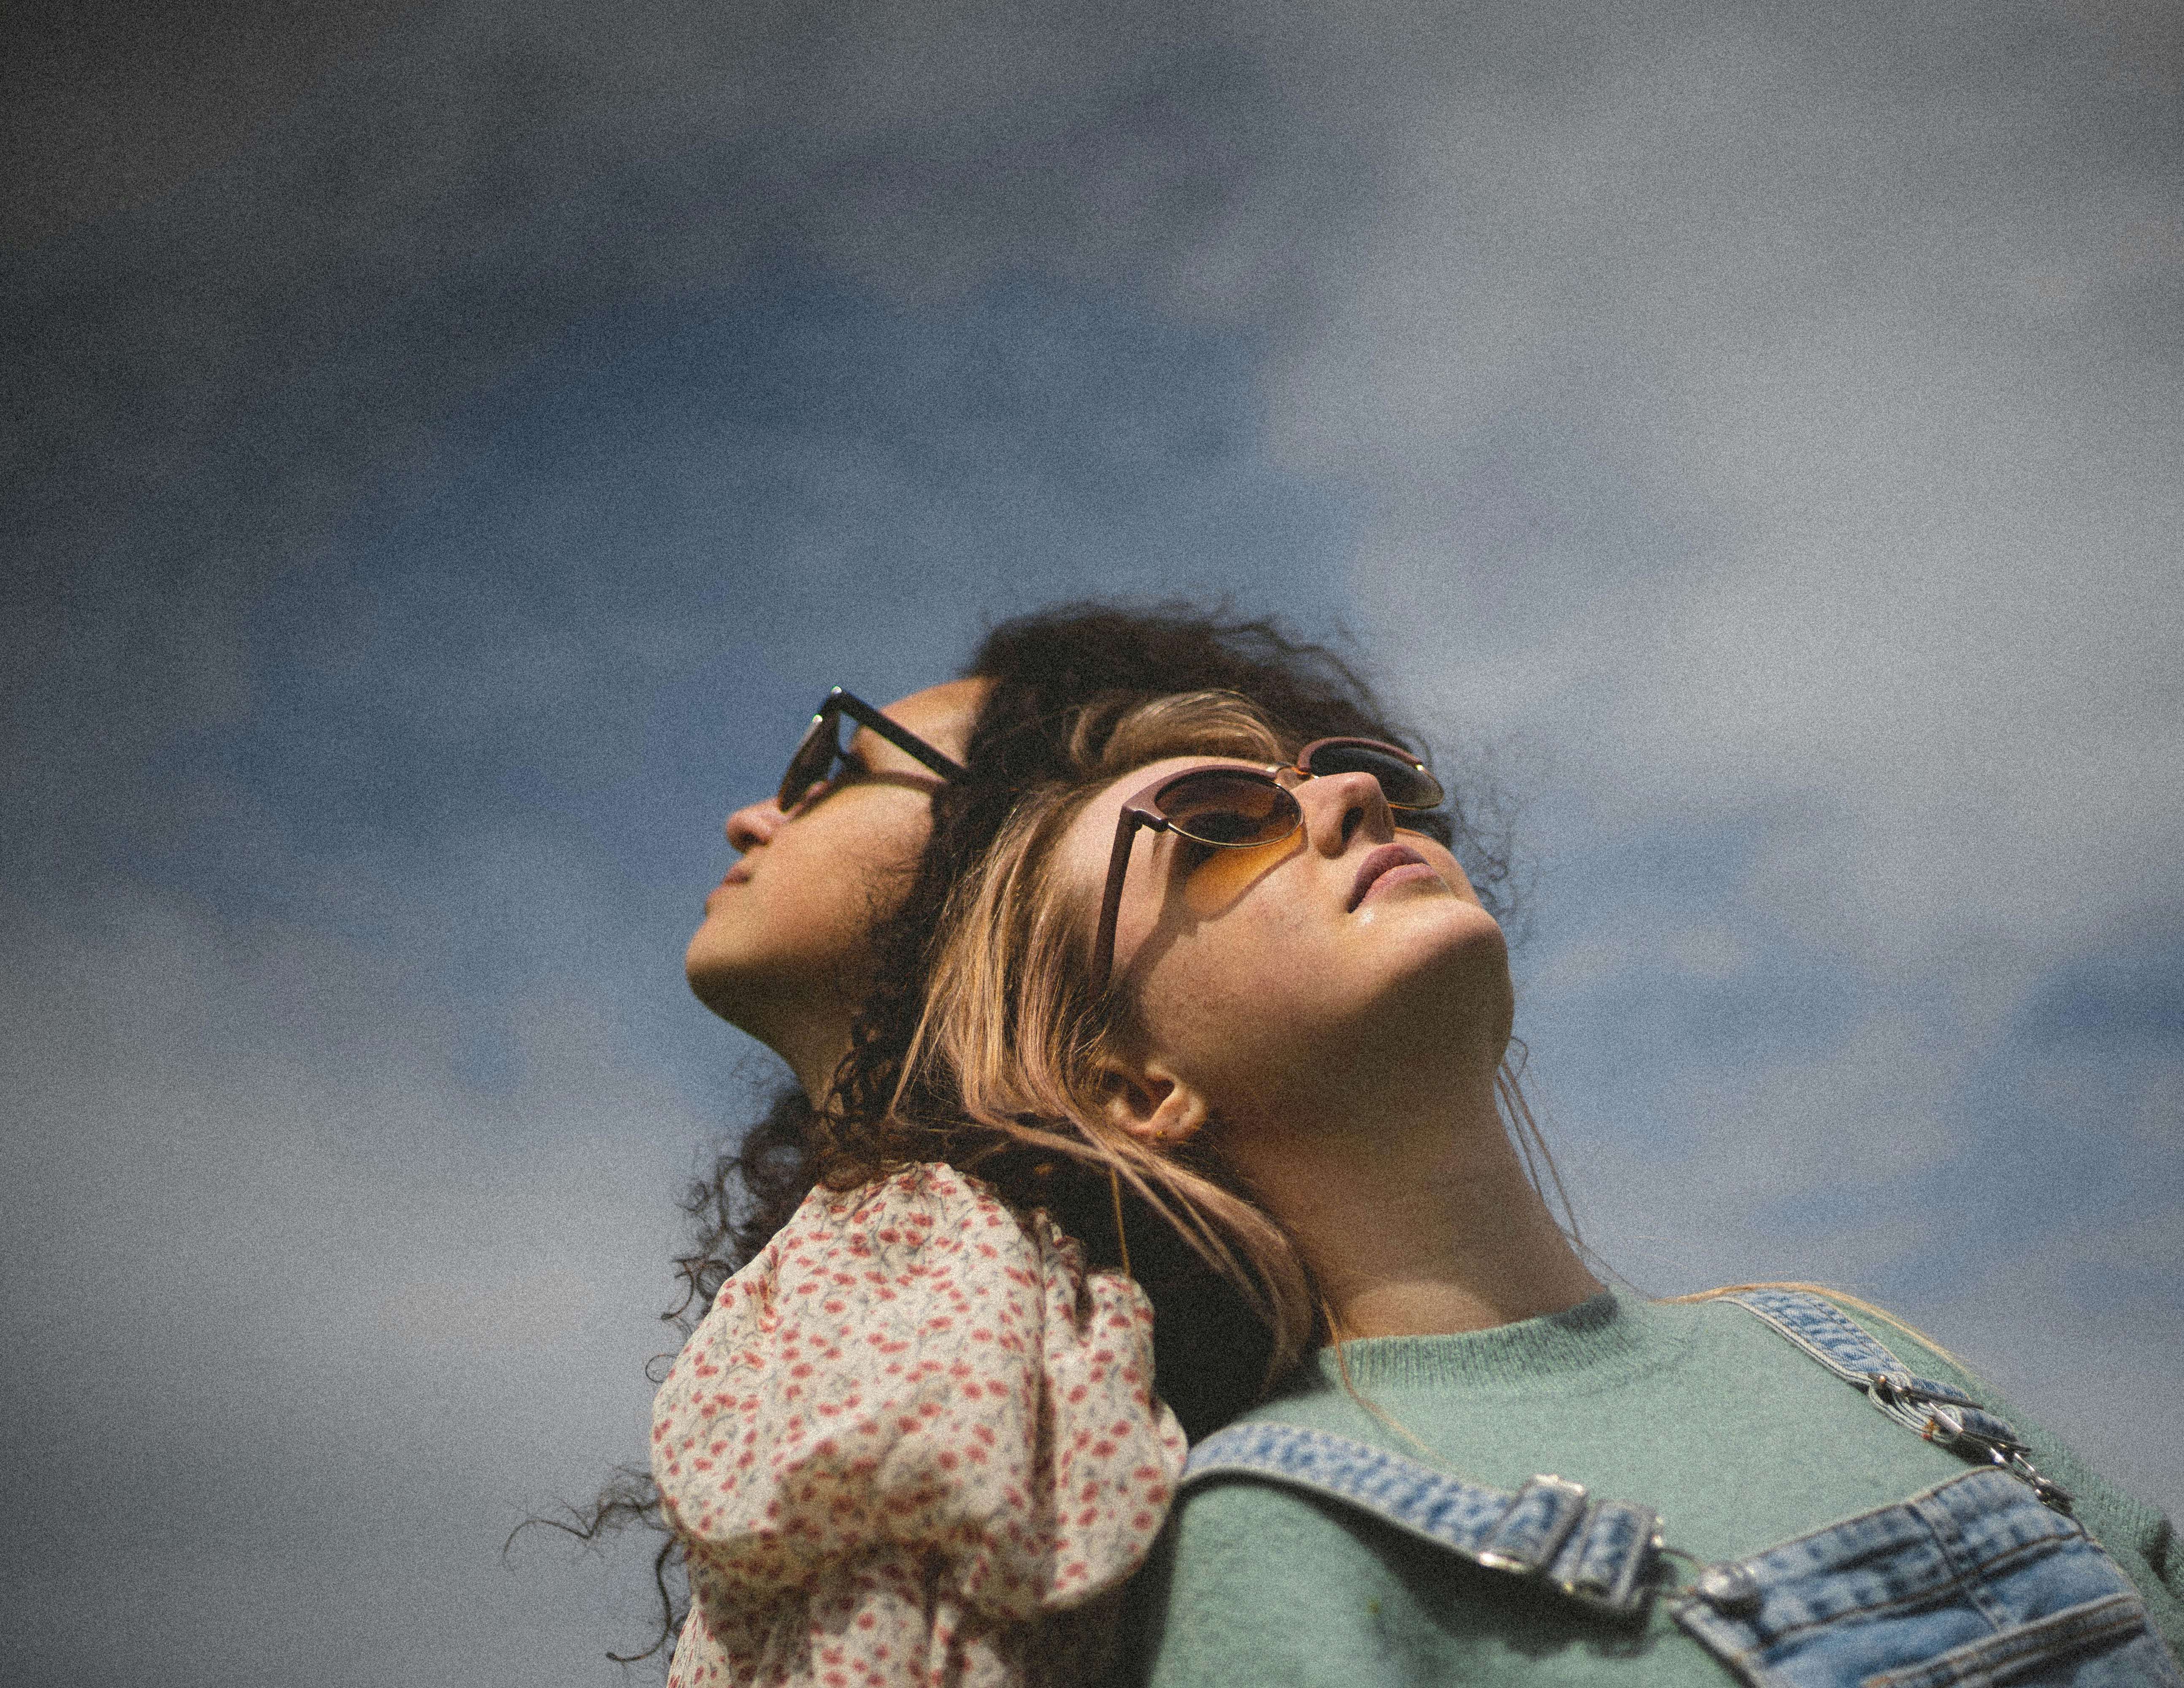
x=914 y=1441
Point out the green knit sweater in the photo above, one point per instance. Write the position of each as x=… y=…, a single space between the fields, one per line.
x=1700 y=1411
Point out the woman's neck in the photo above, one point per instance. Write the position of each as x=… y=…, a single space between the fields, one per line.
x=813 y=1036
x=1415 y=1213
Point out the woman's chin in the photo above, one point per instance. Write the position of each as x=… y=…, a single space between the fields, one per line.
x=1431 y=933
x=1457 y=979
x=710 y=966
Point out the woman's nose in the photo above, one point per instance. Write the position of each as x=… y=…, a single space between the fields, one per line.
x=754 y=823
x=1337 y=807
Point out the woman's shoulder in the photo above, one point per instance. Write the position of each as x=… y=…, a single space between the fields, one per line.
x=2139 y=1534
x=901 y=1208
x=912 y=1363
x=925 y=1232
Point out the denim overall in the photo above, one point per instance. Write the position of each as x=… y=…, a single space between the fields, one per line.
x=1983 y=1579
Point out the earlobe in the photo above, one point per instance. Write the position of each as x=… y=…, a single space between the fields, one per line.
x=1154 y=1106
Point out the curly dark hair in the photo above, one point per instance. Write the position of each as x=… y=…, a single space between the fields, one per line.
x=1078 y=666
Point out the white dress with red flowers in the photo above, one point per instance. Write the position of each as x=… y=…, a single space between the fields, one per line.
x=911 y=1437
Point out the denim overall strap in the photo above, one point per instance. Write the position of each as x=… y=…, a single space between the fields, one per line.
x=1939 y=1412
x=1600 y=1552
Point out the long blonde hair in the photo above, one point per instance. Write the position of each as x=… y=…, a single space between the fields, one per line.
x=1016 y=1047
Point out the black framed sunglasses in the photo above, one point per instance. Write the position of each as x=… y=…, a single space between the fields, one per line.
x=820 y=747
x=1234 y=808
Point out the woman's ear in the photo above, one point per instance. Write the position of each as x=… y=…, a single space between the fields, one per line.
x=1155 y=1105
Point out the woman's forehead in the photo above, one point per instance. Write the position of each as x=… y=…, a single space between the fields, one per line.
x=943 y=716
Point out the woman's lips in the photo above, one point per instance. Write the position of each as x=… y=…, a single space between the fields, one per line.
x=735 y=876
x=1390 y=860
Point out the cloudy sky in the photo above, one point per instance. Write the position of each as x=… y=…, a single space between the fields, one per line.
x=450 y=447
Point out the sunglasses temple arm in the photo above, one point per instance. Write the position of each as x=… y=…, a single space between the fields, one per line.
x=897 y=735
x=1111 y=902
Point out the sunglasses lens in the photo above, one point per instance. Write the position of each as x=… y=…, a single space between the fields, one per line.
x=813 y=761
x=1219 y=807
x=1403 y=782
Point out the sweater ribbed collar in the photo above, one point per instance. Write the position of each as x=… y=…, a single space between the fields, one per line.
x=1611 y=1335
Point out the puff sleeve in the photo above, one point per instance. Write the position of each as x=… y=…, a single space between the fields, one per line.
x=909 y=1434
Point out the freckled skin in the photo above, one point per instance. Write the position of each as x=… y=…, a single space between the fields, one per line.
x=1259 y=978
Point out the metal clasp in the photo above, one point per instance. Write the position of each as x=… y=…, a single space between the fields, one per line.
x=2050 y=1492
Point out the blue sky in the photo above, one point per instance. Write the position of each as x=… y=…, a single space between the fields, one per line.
x=1748 y=449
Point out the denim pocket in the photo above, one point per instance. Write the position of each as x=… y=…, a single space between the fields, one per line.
x=1971 y=1583
x=2105 y=1643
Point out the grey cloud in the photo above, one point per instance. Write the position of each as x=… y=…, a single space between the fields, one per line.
x=1751 y=1069
x=287 y=1361
x=1880 y=310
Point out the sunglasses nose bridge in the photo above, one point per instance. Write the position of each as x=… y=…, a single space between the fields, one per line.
x=1334 y=798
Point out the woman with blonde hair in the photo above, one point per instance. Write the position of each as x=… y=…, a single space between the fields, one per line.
x=1217 y=974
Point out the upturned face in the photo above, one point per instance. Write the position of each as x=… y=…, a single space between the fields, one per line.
x=783 y=950
x=1350 y=948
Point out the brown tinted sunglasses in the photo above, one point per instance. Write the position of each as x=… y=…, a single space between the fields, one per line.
x=1234 y=808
